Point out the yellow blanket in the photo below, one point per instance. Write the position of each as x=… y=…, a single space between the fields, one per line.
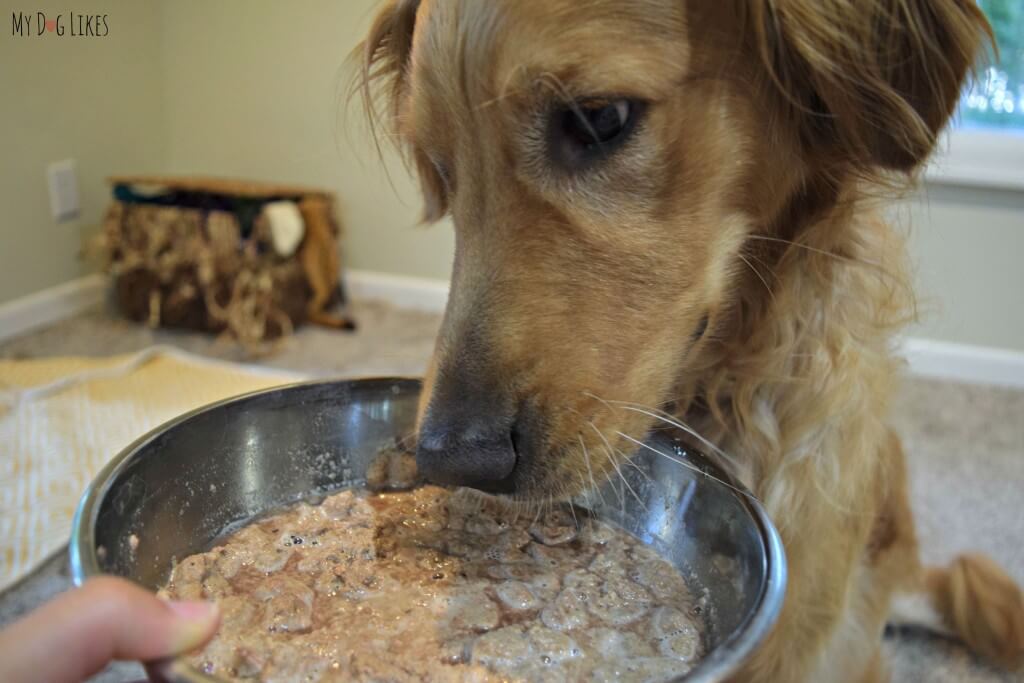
x=62 y=419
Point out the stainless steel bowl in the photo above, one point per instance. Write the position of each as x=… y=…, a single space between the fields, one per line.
x=178 y=488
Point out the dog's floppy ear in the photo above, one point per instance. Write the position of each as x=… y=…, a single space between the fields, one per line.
x=384 y=54
x=384 y=64
x=870 y=83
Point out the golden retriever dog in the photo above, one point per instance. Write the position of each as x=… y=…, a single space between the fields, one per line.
x=666 y=210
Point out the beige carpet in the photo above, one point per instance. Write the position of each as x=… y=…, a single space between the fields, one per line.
x=966 y=444
x=61 y=419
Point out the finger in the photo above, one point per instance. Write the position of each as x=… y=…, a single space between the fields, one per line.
x=80 y=632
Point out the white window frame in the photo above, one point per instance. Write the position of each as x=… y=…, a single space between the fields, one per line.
x=979 y=157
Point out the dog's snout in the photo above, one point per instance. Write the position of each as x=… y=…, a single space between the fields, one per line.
x=477 y=455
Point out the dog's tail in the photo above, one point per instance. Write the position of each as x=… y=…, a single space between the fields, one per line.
x=972 y=600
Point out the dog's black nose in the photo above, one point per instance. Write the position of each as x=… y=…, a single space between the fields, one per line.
x=481 y=457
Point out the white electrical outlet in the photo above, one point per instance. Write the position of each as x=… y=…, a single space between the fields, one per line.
x=63 y=190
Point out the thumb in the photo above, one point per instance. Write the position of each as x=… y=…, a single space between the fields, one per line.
x=80 y=632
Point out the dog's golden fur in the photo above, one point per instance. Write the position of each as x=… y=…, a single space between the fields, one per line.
x=725 y=265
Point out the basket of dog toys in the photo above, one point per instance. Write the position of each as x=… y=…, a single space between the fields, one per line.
x=248 y=260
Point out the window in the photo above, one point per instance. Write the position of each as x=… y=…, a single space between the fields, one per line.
x=996 y=98
x=986 y=145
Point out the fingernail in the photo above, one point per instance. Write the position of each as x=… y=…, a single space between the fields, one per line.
x=196 y=623
x=193 y=611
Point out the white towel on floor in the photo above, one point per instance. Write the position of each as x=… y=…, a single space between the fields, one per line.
x=63 y=419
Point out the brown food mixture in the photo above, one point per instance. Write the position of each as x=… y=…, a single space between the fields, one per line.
x=434 y=586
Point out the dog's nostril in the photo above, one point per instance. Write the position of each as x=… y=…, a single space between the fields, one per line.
x=431 y=441
x=517 y=441
x=470 y=458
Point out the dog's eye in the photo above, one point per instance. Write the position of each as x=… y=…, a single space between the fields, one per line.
x=597 y=123
x=592 y=129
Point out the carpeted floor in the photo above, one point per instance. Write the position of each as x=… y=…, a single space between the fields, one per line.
x=965 y=444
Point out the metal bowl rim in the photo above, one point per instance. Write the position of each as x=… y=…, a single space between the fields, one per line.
x=752 y=631
x=83 y=559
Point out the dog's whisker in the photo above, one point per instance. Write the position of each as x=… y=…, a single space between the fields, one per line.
x=585 y=490
x=670 y=420
x=618 y=491
x=572 y=508
x=506 y=92
x=555 y=83
x=570 y=101
x=536 y=513
x=687 y=465
x=679 y=424
x=636 y=467
x=588 y=494
x=615 y=464
x=494 y=100
x=618 y=470
x=625 y=480
x=760 y=277
x=620 y=495
x=590 y=470
x=816 y=250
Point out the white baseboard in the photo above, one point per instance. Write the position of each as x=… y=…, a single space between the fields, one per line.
x=926 y=358
x=964 y=363
x=421 y=294
x=51 y=305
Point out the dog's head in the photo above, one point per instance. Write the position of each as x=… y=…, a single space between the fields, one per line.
x=605 y=164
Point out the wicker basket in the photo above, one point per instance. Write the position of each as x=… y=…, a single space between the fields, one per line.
x=197 y=253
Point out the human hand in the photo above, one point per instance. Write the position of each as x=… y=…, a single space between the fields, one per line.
x=78 y=633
